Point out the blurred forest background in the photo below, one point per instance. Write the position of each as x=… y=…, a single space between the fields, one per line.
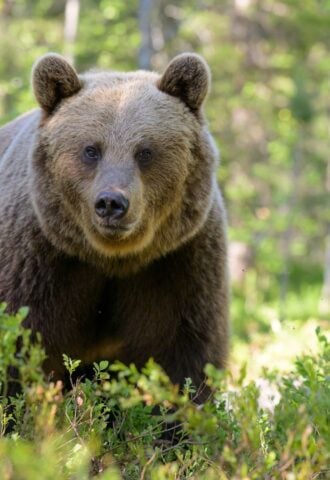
x=268 y=110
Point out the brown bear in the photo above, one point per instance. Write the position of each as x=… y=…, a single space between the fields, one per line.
x=112 y=226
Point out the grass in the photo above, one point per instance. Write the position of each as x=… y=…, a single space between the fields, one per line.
x=269 y=416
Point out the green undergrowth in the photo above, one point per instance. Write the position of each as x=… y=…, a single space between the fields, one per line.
x=126 y=424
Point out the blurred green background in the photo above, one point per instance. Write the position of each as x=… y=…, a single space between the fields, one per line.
x=268 y=111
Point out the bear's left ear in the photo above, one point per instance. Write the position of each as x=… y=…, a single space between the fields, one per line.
x=187 y=77
x=53 y=79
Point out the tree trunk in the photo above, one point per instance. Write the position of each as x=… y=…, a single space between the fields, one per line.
x=325 y=295
x=159 y=22
x=287 y=235
x=71 y=19
x=7 y=8
x=145 y=22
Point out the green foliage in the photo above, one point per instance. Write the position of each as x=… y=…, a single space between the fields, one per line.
x=123 y=423
x=256 y=303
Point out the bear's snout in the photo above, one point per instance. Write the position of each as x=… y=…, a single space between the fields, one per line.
x=111 y=205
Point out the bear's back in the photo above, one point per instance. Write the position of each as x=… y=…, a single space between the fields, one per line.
x=18 y=131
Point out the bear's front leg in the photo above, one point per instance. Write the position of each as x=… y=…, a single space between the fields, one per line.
x=63 y=296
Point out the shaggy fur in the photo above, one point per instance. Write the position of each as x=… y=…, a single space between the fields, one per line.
x=157 y=285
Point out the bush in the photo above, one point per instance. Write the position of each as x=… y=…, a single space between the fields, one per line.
x=127 y=424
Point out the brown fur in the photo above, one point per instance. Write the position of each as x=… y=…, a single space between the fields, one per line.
x=158 y=288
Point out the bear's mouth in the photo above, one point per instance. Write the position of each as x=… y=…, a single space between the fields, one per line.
x=113 y=230
x=110 y=230
x=120 y=238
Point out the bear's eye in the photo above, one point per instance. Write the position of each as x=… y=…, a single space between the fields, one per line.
x=144 y=157
x=91 y=154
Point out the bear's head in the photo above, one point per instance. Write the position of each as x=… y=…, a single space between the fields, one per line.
x=122 y=164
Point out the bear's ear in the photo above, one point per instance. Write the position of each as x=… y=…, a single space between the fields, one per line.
x=53 y=79
x=187 y=77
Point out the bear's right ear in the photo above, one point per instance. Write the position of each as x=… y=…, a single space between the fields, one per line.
x=53 y=79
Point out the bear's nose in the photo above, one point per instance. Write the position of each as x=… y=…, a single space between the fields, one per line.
x=112 y=205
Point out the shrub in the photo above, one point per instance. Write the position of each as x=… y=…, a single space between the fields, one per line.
x=125 y=423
